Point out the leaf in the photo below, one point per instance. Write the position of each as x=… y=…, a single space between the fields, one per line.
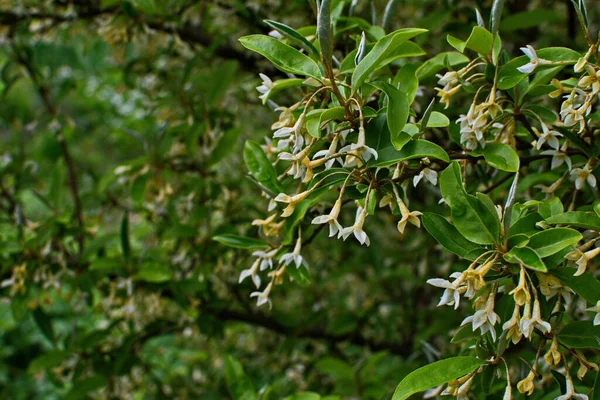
x=406 y=80
x=284 y=57
x=580 y=334
x=437 y=120
x=382 y=49
x=154 y=272
x=585 y=285
x=44 y=322
x=501 y=156
x=551 y=241
x=526 y=256
x=435 y=374
x=551 y=207
x=335 y=367
x=449 y=237
x=528 y=19
x=240 y=242
x=413 y=149
x=299 y=275
x=225 y=146
x=324 y=34
x=397 y=111
x=293 y=35
x=509 y=76
x=576 y=219
x=496 y=15
x=239 y=385
x=315 y=119
x=260 y=167
x=480 y=41
x=470 y=215
x=525 y=225
x=47 y=360
x=83 y=387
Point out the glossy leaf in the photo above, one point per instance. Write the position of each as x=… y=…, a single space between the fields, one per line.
x=240 y=242
x=585 y=285
x=526 y=256
x=260 y=167
x=580 y=334
x=501 y=156
x=551 y=241
x=449 y=237
x=293 y=35
x=414 y=149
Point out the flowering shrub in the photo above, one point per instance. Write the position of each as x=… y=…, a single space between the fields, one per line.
x=515 y=173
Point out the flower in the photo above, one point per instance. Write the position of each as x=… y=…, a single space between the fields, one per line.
x=484 y=319
x=265 y=88
x=268 y=226
x=329 y=152
x=581 y=63
x=591 y=79
x=526 y=385
x=252 y=272
x=520 y=293
x=559 y=156
x=453 y=290
x=285 y=117
x=513 y=327
x=548 y=136
x=429 y=174
x=450 y=78
x=357 y=228
x=331 y=219
x=292 y=201
x=570 y=394
x=585 y=366
x=263 y=297
x=446 y=93
x=407 y=216
x=553 y=356
x=358 y=149
x=294 y=256
x=550 y=286
x=535 y=321
x=534 y=60
x=582 y=175
x=265 y=258
x=595 y=309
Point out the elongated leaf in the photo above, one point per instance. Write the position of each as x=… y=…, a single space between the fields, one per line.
x=585 y=285
x=324 y=34
x=435 y=374
x=284 y=57
x=496 y=15
x=47 y=360
x=411 y=150
x=449 y=237
x=261 y=168
x=577 y=219
x=239 y=385
x=225 y=146
x=551 y=241
x=580 y=334
x=293 y=35
x=380 y=51
x=397 y=111
x=240 y=242
x=480 y=41
x=437 y=120
x=526 y=256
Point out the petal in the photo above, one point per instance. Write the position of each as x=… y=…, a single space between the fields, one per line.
x=527 y=68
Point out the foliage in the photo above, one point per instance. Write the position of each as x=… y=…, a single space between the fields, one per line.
x=144 y=204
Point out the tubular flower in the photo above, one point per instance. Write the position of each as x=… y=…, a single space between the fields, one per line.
x=520 y=293
x=535 y=321
x=534 y=60
x=484 y=319
x=513 y=327
x=263 y=297
x=526 y=385
x=332 y=219
x=294 y=256
x=291 y=201
x=553 y=356
x=453 y=290
x=357 y=228
x=570 y=394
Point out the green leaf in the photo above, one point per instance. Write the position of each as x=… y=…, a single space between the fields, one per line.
x=299 y=275
x=580 y=334
x=284 y=57
x=240 y=242
x=260 y=167
x=315 y=118
x=501 y=156
x=397 y=111
x=526 y=256
x=382 y=49
x=435 y=374
x=509 y=76
x=440 y=61
x=449 y=237
x=225 y=146
x=154 y=272
x=44 y=322
x=83 y=387
x=585 y=285
x=239 y=385
x=480 y=40
x=551 y=241
x=576 y=219
x=293 y=36
x=473 y=219
x=324 y=34
x=335 y=367
x=47 y=360
x=437 y=120
x=525 y=225
x=413 y=149
x=406 y=80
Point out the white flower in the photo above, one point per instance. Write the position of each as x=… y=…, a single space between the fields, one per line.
x=357 y=228
x=582 y=175
x=570 y=394
x=559 y=156
x=429 y=174
x=591 y=79
x=534 y=60
x=265 y=88
x=328 y=153
x=529 y=323
x=292 y=201
x=449 y=79
x=358 y=149
x=265 y=258
x=334 y=226
x=252 y=272
x=513 y=327
x=451 y=295
x=548 y=136
x=263 y=297
x=595 y=309
x=484 y=319
x=294 y=256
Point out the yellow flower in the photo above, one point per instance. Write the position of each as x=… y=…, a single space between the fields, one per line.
x=552 y=357
x=526 y=385
x=520 y=293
